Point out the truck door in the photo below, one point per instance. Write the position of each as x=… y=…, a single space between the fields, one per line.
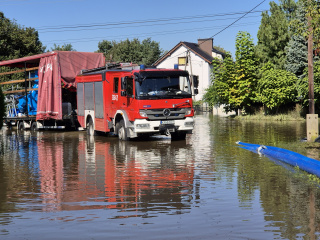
x=127 y=92
x=115 y=95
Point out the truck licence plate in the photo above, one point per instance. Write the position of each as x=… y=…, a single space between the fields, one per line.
x=167 y=122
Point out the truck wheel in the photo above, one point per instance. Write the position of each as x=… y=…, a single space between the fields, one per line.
x=20 y=126
x=90 y=128
x=34 y=127
x=176 y=136
x=122 y=133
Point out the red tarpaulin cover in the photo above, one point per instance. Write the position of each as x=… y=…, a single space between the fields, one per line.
x=64 y=66
x=49 y=93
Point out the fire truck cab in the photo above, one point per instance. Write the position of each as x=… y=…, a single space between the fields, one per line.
x=135 y=102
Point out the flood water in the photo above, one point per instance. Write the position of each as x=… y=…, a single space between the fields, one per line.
x=63 y=185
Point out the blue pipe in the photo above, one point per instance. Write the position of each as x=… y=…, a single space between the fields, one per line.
x=294 y=159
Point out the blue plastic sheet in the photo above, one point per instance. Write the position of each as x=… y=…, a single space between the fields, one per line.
x=32 y=101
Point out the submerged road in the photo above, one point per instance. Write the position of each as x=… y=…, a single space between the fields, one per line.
x=64 y=185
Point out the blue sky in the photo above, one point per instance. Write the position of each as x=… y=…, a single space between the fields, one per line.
x=86 y=22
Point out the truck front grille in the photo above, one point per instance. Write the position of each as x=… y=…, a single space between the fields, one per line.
x=158 y=114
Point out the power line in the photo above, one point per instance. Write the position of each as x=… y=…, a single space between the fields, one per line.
x=223 y=28
x=238 y=19
x=179 y=31
x=134 y=22
x=144 y=25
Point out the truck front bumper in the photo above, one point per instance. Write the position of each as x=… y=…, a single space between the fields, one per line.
x=143 y=126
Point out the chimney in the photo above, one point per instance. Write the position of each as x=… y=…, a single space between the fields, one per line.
x=206 y=45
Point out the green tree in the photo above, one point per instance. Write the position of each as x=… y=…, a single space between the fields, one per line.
x=234 y=84
x=276 y=87
x=289 y=7
x=312 y=8
x=222 y=79
x=273 y=34
x=64 y=47
x=303 y=89
x=243 y=93
x=17 y=41
x=296 y=55
x=145 y=52
x=297 y=49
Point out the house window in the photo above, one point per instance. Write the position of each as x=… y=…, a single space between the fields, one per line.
x=182 y=61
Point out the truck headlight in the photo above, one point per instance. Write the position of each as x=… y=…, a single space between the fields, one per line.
x=188 y=111
x=143 y=114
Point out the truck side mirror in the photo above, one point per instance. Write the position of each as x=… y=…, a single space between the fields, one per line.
x=195 y=81
x=124 y=86
x=124 y=83
x=195 y=91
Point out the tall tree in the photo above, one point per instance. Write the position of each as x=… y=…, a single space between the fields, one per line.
x=289 y=7
x=17 y=41
x=222 y=80
x=274 y=34
x=235 y=84
x=297 y=49
x=243 y=94
x=145 y=52
x=312 y=8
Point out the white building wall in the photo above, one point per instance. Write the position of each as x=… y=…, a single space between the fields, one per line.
x=199 y=67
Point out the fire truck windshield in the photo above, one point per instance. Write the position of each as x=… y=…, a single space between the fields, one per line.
x=163 y=87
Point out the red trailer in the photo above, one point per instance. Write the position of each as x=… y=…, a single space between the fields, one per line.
x=47 y=88
x=133 y=102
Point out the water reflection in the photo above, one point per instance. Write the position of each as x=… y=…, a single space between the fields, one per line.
x=205 y=187
x=76 y=173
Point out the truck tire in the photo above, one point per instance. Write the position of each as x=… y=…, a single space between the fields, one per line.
x=176 y=136
x=21 y=126
x=90 y=128
x=34 y=127
x=122 y=131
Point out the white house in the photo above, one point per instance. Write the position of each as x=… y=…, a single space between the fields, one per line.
x=196 y=58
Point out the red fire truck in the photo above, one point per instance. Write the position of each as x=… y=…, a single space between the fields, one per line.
x=133 y=102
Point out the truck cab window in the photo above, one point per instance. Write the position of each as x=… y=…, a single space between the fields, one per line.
x=115 y=84
x=169 y=87
x=129 y=87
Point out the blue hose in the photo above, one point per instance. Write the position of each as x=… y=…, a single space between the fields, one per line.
x=294 y=159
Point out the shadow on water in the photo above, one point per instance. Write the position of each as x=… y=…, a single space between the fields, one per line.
x=204 y=187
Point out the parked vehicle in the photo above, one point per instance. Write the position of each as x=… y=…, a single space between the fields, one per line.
x=45 y=95
x=135 y=102
x=71 y=89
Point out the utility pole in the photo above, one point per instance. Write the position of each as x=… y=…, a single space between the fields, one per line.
x=312 y=118
x=192 y=82
x=310 y=68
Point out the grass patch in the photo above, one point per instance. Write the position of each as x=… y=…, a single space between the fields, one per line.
x=290 y=116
